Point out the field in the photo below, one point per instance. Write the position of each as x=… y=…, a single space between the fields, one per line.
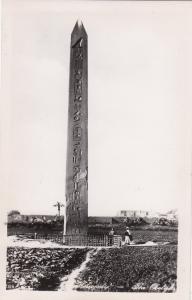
x=142 y=236
x=40 y=269
x=131 y=269
x=126 y=269
x=15 y=229
x=57 y=228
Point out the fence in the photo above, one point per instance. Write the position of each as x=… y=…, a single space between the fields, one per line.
x=86 y=240
x=117 y=240
x=99 y=240
x=57 y=238
x=92 y=240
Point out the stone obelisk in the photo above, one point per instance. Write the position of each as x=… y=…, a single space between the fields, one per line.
x=76 y=216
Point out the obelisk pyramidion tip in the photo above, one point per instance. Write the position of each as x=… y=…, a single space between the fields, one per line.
x=79 y=23
x=78 y=31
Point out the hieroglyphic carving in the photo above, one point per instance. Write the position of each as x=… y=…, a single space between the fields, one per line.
x=77 y=111
x=76 y=116
x=77 y=130
x=77 y=151
x=76 y=155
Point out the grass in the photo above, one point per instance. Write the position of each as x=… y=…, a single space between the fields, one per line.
x=142 y=236
x=131 y=269
x=40 y=269
x=126 y=269
x=15 y=229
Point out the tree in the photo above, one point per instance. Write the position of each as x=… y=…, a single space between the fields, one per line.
x=59 y=205
x=14 y=212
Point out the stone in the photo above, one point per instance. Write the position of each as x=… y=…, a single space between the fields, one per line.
x=76 y=219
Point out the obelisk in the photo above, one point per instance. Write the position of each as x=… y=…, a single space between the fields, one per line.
x=76 y=222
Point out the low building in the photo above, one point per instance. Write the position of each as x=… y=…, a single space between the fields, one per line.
x=170 y=215
x=133 y=213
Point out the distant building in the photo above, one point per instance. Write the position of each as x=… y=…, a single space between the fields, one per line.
x=134 y=213
x=171 y=215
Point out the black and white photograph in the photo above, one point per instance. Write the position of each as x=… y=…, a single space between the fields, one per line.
x=96 y=156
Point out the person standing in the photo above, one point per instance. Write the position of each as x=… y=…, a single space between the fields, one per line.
x=111 y=234
x=127 y=236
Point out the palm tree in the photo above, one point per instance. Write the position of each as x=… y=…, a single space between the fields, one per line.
x=59 y=205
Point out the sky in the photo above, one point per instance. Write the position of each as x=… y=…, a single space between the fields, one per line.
x=138 y=96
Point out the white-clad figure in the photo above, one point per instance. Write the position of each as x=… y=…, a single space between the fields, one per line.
x=127 y=236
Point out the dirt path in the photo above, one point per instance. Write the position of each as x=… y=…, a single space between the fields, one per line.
x=68 y=282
